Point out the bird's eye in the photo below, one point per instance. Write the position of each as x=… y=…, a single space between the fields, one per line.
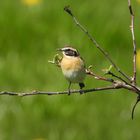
x=68 y=50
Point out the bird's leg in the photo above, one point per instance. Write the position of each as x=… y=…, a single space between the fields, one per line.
x=81 y=86
x=69 y=88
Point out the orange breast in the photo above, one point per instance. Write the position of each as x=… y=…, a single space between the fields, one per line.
x=74 y=63
x=73 y=69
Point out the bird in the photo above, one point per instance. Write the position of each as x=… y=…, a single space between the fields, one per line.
x=73 y=67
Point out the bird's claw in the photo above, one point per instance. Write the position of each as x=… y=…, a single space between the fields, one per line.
x=81 y=92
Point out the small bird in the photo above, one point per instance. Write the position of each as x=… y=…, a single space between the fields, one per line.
x=73 y=67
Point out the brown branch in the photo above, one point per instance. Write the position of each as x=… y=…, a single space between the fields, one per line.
x=115 y=85
x=90 y=73
x=120 y=78
x=134 y=42
x=134 y=80
x=58 y=93
x=68 y=10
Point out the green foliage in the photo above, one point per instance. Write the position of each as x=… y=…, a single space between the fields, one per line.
x=29 y=37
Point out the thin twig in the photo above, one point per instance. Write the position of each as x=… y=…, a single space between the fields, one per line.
x=120 y=78
x=68 y=10
x=134 y=42
x=133 y=109
x=61 y=92
x=116 y=76
x=88 y=72
x=115 y=85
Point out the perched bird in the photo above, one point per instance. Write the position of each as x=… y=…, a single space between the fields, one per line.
x=72 y=66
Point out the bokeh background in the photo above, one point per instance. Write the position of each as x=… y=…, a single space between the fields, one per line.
x=30 y=33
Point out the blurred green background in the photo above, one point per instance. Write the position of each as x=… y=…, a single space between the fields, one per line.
x=30 y=33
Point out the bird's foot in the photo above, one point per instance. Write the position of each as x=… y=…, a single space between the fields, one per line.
x=81 y=92
x=69 y=92
x=81 y=87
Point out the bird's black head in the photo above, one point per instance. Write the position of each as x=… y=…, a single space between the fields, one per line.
x=69 y=51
